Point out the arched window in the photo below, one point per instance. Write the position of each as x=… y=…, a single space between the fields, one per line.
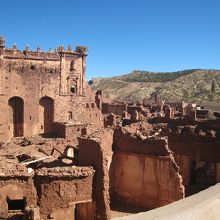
x=73 y=87
x=72 y=65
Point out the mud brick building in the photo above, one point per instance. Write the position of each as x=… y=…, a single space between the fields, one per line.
x=94 y=160
x=39 y=88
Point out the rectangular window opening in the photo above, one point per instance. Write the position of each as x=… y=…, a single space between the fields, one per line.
x=16 y=204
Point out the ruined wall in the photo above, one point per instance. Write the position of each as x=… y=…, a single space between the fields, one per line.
x=117 y=109
x=145 y=181
x=196 y=149
x=16 y=188
x=96 y=150
x=206 y=150
x=184 y=164
x=32 y=76
x=132 y=109
x=29 y=85
x=91 y=114
x=59 y=189
x=145 y=173
x=16 y=183
x=69 y=130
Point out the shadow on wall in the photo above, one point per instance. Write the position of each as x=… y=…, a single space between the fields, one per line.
x=46 y=116
x=16 y=116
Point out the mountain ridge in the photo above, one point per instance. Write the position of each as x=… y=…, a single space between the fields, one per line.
x=200 y=85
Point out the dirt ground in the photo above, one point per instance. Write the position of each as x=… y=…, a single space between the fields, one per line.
x=201 y=206
x=120 y=210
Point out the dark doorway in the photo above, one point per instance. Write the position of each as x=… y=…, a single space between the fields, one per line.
x=17 y=204
x=202 y=172
x=192 y=172
x=211 y=173
x=46 y=114
x=202 y=175
x=17 y=116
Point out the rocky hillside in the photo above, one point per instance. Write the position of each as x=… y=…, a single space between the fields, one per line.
x=189 y=85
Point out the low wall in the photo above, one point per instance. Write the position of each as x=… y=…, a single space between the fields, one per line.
x=17 y=188
x=60 y=189
x=117 y=109
x=145 y=181
x=68 y=130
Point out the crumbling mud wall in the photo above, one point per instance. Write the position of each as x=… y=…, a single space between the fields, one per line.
x=16 y=186
x=69 y=130
x=145 y=173
x=96 y=150
x=145 y=181
x=60 y=189
x=196 y=147
x=195 y=142
x=117 y=109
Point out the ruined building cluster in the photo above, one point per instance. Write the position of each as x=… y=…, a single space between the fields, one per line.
x=65 y=153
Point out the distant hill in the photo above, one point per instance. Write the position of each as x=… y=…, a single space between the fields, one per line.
x=145 y=76
x=189 y=85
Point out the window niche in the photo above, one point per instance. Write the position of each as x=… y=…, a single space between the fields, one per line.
x=71 y=85
x=70 y=115
x=17 y=204
x=72 y=63
x=73 y=89
x=93 y=105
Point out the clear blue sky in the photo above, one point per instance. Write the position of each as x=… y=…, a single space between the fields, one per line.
x=122 y=35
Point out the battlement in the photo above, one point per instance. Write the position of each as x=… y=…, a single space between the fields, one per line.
x=53 y=55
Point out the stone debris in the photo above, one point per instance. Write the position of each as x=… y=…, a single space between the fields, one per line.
x=66 y=153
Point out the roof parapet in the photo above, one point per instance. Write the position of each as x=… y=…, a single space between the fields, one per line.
x=81 y=49
x=14 y=52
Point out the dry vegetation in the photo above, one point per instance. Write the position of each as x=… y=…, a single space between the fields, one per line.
x=201 y=86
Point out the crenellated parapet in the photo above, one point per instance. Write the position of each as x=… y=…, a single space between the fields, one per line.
x=30 y=55
x=38 y=54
